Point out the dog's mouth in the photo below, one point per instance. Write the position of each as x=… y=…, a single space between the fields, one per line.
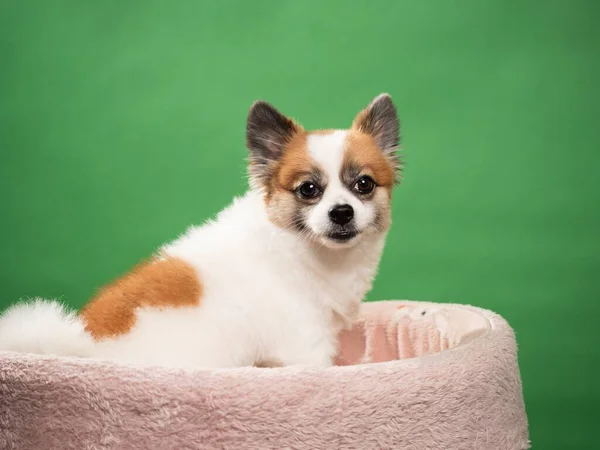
x=342 y=236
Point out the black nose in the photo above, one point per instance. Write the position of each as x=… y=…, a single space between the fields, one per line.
x=341 y=214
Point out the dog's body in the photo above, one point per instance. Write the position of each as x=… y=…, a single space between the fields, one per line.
x=272 y=280
x=267 y=297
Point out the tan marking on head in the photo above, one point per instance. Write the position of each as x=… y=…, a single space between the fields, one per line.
x=294 y=162
x=168 y=283
x=321 y=132
x=362 y=151
x=295 y=166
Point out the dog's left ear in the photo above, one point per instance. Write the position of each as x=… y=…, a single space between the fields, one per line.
x=380 y=120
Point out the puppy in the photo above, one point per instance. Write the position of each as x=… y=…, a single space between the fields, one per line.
x=271 y=281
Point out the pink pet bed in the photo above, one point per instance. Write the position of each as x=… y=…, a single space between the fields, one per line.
x=410 y=376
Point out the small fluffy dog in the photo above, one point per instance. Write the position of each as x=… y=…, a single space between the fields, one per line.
x=271 y=281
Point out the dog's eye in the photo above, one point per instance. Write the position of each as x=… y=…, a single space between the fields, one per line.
x=364 y=185
x=309 y=190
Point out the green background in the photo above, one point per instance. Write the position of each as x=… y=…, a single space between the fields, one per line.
x=121 y=123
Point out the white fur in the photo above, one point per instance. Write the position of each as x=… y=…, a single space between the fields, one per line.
x=46 y=327
x=328 y=151
x=268 y=295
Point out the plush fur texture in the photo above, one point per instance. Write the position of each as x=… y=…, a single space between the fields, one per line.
x=46 y=327
x=275 y=277
x=460 y=389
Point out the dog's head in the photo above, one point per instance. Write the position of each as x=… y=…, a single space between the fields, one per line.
x=332 y=186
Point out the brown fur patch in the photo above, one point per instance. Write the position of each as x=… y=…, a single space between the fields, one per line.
x=363 y=152
x=169 y=283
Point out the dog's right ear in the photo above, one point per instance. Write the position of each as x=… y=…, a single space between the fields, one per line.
x=267 y=132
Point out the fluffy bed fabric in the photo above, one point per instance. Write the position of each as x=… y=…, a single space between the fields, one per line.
x=455 y=386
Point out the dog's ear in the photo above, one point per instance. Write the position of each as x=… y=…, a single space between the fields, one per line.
x=267 y=133
x=380 y=120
